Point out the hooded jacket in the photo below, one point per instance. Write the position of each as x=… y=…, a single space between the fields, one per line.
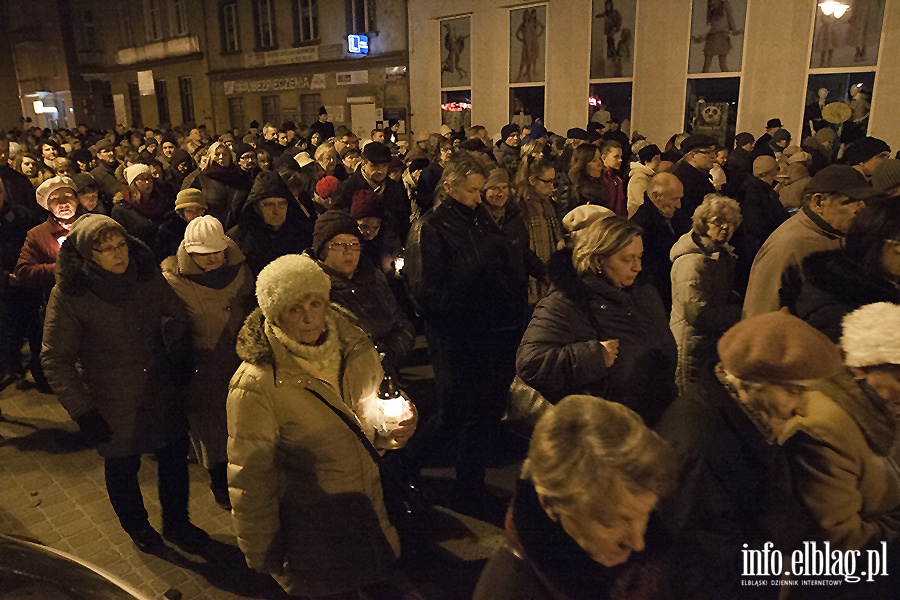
x=560 y=353
x=261 y=243
x=306 y=495
x=115 y=345
x=704 y=305
x=835 y=285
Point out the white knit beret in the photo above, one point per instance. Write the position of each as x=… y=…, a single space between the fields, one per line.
x=286 y=280
x=871 y=335
x=205 y=235
x=42 y=194
x=134 y=170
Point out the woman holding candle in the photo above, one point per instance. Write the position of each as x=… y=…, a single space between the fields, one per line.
x=306 y=494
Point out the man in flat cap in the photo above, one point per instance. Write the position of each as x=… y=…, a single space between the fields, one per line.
x=693 y=172
x=736 y=492
x=372 y=175
x=830 y=202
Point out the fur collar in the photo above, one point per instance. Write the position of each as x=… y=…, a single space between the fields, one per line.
x=253 y=344
x=71 y=269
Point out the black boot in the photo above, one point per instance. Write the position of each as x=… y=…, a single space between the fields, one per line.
x=218 y=484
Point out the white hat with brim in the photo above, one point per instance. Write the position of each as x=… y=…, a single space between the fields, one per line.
x=303 y=159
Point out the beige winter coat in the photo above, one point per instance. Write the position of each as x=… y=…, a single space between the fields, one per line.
x=840 y=455
x=216 y=317
x=306 y=494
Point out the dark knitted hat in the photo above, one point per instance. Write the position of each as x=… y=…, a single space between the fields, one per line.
x=330 y=224
x=864 y=149
x=366 y=203
x=508 y=130
x=778 y=347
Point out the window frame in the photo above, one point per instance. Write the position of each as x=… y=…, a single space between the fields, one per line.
x=311 y=17
x=153 y=30
x=161 y=89
x=225 y=9
x=186 y=94
x=126 y=31
x=178 y=11
x=258 y=22
x=368 y=16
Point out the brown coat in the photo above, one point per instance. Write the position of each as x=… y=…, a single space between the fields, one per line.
x=840 y=457
x=216 y=317
x=775 y=278
x=37 y=259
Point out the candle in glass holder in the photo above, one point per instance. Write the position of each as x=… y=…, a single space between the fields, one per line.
x=393 y=412
x=399 y=262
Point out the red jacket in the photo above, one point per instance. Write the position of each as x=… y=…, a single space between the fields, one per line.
x=615 y=192
x=37 y=260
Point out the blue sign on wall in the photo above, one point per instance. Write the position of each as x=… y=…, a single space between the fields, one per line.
x=358 y=44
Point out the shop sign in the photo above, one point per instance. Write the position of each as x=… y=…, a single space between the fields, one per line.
x=305 y=82
x=357 y=44
x=287 y=56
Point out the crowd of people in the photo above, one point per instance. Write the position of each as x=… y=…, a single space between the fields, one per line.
x=714 y=330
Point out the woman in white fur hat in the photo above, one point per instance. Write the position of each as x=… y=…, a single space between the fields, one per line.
x=841 y=450
x=306 y=494
x=209 y=274
x=140 y=207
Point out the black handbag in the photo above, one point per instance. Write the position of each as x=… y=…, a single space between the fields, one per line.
x=403 y=498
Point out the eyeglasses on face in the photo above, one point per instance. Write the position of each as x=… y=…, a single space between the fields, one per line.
x=352 y=247
x=720 y=223
x=552 y=182
x=121 y=246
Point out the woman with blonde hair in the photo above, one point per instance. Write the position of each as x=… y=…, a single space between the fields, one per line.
x=704 y=303
x=536 y=183
x=580 y=524
x=224 y=185
x=601 y=330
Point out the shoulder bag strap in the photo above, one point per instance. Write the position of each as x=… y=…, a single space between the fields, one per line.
x=354 y=427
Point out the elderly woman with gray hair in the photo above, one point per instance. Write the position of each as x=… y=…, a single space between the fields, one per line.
x=601 y=330
x=704 y=303
x=304 y=429
x=580 y=524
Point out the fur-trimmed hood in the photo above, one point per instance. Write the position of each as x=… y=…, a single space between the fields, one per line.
x=72 y=275
x=254 y=346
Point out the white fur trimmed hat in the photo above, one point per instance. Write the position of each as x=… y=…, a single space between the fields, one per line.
x=42 y=194
x=871 y=335
x=286 y=280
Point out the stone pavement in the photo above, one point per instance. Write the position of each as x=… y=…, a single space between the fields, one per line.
x=52 y=490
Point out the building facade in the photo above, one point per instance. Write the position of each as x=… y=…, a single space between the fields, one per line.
x=225 y=63
x=661 y=66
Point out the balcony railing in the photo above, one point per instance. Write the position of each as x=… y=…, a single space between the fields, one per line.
x=173 y=48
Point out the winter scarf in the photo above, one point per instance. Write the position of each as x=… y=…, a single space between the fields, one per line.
x=111 y=287
x=230 y=176
x=154 y=206
x=322 y=360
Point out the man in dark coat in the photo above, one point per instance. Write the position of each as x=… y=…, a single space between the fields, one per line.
x=661 y=201
x=322 y=126
x=735 y=491
x=105 y=173
x=18 y=189
x=372 y=175
x=739 y=163
x=17 y=307
x=772 y=125
x=272 y=223
x=693 y=171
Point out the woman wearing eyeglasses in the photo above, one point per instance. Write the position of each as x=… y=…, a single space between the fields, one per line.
x=704 y=305
x=117 y=352
x=361 y=288
x=535 y=186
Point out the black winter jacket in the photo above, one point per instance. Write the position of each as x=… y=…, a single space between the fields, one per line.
x=396 y=203
x=658 y=238
x=560 y=353
x=169 y=236
x=466 y=276
x=835 y=285
x=697 y=185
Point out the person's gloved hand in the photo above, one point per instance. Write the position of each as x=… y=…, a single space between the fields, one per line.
x=94 y=428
